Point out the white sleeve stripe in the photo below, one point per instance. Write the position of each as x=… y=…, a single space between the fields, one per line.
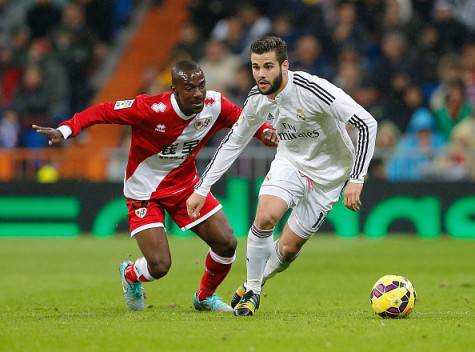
x=363 y=138
x=316 y=86
x=225 y=139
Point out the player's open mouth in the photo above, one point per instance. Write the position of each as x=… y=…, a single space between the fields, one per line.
x=263 y=83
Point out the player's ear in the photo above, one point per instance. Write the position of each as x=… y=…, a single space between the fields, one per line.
x=285 y=64
x=172 y=87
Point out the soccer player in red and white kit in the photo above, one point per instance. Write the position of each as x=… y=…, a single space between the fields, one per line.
x=168 y=130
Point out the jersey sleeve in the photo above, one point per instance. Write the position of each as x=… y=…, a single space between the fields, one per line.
x=121 y=112
x=230 y=113
x=339 y=105
x=230 y=148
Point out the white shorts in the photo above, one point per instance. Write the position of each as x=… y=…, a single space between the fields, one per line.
x=310 y=205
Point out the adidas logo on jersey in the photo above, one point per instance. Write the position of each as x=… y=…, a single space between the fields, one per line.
x=158 y=107
x=270 y=117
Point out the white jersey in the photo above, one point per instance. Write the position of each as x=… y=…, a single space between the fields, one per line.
x=309 y=116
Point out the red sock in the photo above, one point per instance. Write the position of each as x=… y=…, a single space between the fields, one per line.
x=214 y=274
x=131 y=275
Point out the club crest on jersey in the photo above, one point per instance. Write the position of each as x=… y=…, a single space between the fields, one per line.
x=202 y=122
x=158 y=107
x=270 y=117
x=300 y=114
x=123 y=104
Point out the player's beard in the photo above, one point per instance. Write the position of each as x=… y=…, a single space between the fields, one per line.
x=274 y=87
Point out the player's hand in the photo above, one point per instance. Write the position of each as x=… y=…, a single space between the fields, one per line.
x=194 y=203
x=53 y=135
x=351 y=196
x=270 y=138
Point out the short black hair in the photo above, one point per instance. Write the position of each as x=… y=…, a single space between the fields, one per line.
x=268 y=44
x=185 y=65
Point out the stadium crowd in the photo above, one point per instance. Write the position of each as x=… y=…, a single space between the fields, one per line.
x=410 y=63
x=49 y=50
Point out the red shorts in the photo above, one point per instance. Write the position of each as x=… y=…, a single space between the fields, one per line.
x=146 y=214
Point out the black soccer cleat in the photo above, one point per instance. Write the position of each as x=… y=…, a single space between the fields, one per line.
x=248 y=304
x=237 y=296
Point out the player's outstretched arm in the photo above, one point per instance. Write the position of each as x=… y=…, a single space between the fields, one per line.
x=54 y=136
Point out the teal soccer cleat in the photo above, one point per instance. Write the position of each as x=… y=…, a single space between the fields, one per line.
x=134 y=294
x=211 y=303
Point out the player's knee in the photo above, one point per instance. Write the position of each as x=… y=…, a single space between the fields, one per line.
x=159 y=267
x=266 y=221
x=227 y=246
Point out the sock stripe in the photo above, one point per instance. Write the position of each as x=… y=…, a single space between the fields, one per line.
x=222 y=260
x=261 y=233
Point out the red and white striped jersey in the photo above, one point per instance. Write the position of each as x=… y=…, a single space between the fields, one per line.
x=164 y=142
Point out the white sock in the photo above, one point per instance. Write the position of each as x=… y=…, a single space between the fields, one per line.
x=141 y=269
x=276 y=263
x=259 y=243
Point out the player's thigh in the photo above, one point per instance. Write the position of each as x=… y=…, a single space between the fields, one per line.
x=154 y=246
x=283 y=187
x=146 y=222
x=216 y=231
x=307 y=217
x=270 y=210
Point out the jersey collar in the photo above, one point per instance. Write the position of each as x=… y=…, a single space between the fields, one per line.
x=177 y=109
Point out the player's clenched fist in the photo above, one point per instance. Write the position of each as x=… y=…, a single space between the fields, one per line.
x=194 y=204
x=53 y=135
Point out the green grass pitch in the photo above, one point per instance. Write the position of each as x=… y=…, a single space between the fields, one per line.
x=65 y=295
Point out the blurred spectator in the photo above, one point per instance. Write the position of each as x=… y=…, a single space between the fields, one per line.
x=242 y=84
x=452 y=32
x=99 y=16
x=10 y=74
x=308 y=57
x=33 y=103
x=449 y=69
x=54 y=77
x=218 y=65
x=468 y=62
x=458 y=160
x=9 y=129
x=427 y=53
x=42 y=17
x=283 y=26
x=462 y=10
x=189 y=41
x=394 y=60
x=416 y=149
x=254 y=26
x=455 y=109
x=348 y=31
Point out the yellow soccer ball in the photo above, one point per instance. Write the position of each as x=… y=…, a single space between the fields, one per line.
x=393 y=296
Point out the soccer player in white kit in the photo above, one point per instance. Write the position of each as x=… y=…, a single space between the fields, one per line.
x=315 y=161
